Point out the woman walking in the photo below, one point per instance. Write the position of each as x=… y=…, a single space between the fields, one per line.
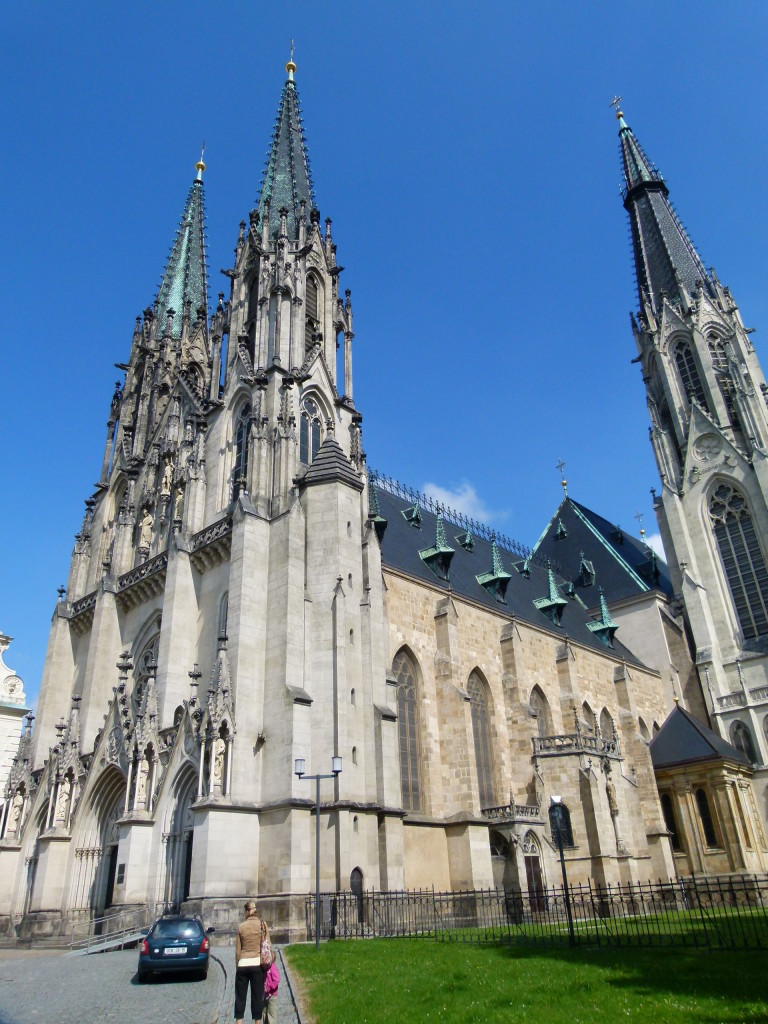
x=249 y=971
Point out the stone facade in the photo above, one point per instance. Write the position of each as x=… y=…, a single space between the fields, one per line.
x=237 y=601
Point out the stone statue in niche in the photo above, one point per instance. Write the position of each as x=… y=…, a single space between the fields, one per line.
x=142 y=774
x=165 y=486
x=14 y=814
x=218 y=761
x=178 y=504
x=63 y=800
x=610 y=789
x=145 y=532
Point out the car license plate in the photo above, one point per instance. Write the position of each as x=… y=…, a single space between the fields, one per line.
x=175 y=951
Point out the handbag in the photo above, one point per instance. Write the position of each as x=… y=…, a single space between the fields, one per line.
x=266 y=948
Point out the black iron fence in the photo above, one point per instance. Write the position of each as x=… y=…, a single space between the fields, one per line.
x=716 y=913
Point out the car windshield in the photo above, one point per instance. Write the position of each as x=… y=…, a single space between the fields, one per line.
x=176 y=929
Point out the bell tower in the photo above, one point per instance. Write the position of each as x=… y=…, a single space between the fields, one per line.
x=707 y=400
x=287 y=319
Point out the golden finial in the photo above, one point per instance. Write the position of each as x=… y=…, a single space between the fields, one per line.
x=200 y=165
x=616 y=102
x=290 y=67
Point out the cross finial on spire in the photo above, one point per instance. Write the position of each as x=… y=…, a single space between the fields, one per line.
x=200 y=165
x=290 y=67
x=561 y=466
x=616 y=104
x=639 y=518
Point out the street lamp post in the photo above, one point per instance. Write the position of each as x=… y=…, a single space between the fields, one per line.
x=335 y=771
x=556 y=816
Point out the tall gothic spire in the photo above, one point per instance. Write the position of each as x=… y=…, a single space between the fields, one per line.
x=185 y=276
x=665 y=258
x=287 y=177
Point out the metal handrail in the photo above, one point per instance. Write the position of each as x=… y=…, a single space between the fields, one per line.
x=100 y=928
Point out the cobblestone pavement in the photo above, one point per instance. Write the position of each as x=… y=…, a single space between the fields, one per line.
x=60 y=989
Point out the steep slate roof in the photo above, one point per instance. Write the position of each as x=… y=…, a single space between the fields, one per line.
x=331 y=464
x=682 y=739
x=665 y=256
x=287 y=176
x=402 y=542
x=185 y=276
x=623 y=564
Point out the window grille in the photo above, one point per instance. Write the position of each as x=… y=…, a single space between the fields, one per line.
x=478 y=704
x=742 y=559
x=311 y=322
x=408 y=725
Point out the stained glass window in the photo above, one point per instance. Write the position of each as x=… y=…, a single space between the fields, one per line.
x=408 y=722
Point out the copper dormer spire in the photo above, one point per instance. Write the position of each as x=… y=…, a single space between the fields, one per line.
x=290 y=67
x=200 y=165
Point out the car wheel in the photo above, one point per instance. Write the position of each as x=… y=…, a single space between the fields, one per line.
x=143 y=977
x=202 y=975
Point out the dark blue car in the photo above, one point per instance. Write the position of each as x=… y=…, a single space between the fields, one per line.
x=175 y=943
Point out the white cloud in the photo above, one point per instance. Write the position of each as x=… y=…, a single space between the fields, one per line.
x=464 y=499
x=653 y=541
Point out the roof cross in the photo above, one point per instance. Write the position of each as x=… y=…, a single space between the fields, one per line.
x=639 y=518
x=615 y=102
x=292 y=48
x=561 y=466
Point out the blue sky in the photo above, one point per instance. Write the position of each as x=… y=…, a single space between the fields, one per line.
x=468 y=157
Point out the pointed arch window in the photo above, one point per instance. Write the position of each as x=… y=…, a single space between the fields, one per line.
x=741 y=738
x=539 y=706
x=717 y=352
x=478 y=703
x=408 y=725
x=742 y=559
x=310 y=431
x=240 y=468
x=689 y=374
x=560 y=818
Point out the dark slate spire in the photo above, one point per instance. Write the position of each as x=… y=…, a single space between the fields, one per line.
x=665 y=257
x=185 y=278
x=287 y=178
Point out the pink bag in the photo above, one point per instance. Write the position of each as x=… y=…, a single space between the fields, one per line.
x=271 y=981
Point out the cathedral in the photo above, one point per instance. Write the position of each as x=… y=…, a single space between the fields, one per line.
x=249 y=602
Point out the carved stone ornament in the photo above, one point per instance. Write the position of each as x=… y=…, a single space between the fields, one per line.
x=707 y=447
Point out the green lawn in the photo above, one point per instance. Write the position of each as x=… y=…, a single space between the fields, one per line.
x=420 y=980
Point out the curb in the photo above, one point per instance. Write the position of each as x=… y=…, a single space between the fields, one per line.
x=289 y=983
x=217 y=1013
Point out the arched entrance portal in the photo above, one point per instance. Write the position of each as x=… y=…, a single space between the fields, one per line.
x=93 y=878
x=177 y=840
x=356 y=885
x=533 y=876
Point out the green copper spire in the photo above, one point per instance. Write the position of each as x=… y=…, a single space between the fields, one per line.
x=287 y=178
x=666 y=260
x=495 y=581
x=604 y=628
x=552 y=605
x=185 y=278
x=439 y=556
